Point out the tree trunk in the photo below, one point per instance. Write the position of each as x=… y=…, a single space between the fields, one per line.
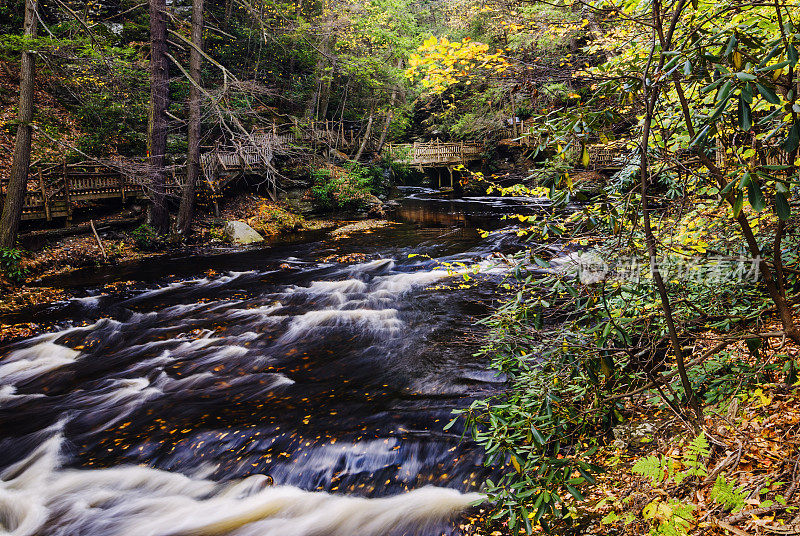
x=193 y=153
x=17 y=183
x=389 y=117
x=325 y=93
x=157 y=128
x=644 y=181
x=323 y=73
x=386 y=124
x=366 y=138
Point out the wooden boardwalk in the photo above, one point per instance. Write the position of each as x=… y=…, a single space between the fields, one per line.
x=62 y=187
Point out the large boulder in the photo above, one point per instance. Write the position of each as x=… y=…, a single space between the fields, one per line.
x=239 y=232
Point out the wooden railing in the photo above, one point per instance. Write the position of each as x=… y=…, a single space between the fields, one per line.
x=436 y=153
x=767 y=155
x=609 y=156
x=61 y=187
x=520 y=131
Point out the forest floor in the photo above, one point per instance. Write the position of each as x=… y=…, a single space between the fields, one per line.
x=740 y=479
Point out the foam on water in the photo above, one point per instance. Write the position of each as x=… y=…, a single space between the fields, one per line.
x=27 y=363
x=369 y=320
x=403 y=282
x=348 y=286
x=40 y=497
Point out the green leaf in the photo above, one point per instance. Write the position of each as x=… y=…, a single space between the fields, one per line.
x=713 y=85
x=782 y=206
x=730 y=46
x=792 y=140
x=745 y=115
x=772 y=53
x=768 y=94
x=728 y=188
x=723 y=94
x=574 y=492
x=775 y=67
x=747 y=93
x=537 y=437
x=700 y=136
x=607 y=330
x=650 y=467
x=791 y=53
x=719 y=111
x=755 y=196
x=737 y=204
x=729 y=496
x=585 y=474
x=745 y=77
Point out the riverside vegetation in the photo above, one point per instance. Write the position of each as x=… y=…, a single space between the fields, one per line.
x=647 y=330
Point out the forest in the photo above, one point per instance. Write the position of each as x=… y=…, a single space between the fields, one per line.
x=399 y=267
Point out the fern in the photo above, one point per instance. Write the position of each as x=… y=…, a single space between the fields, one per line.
x=727 y=494
x=680 y=522
x=671 y=518
x=651 y=467
x=694 y=457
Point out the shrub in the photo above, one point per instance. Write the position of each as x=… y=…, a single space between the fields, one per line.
x=349 y=188
x=11 y=264
x=272 y=219
x=146 y=238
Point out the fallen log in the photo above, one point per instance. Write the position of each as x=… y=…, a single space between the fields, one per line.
x=84 y=228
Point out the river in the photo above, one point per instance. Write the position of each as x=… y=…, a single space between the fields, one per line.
x=298 y=389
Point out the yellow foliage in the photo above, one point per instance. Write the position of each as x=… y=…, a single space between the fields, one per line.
x=440 y=63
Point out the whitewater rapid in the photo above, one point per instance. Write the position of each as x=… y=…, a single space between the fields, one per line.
x=164 y=410
x=39 y=497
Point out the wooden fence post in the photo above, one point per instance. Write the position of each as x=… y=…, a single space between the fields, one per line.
x=66 y=193
x=122 y=187
x=44 y=196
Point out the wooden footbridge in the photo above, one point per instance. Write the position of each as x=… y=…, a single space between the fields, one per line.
x=56 y=190
x=435 y=153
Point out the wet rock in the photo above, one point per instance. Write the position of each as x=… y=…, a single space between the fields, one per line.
x=587 y=266
x=239 y=232
x=361 y=226
x=375 y=208
x=633 y=435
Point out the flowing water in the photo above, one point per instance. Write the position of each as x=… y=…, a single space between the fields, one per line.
x=289 y=390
